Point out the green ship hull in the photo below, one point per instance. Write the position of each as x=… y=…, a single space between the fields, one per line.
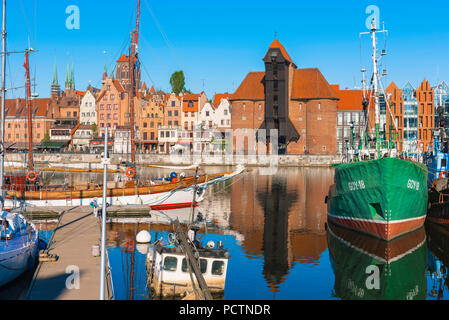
x=385 y=198
x=367 y=268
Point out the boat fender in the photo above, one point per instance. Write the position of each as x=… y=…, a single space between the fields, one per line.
x=174 y=180
x=130 y=172
x=31 y=175
x=143 y=237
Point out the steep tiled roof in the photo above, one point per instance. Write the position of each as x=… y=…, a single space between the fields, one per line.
x=191 y=96
x=117 y=84
x=80 y=93
x=251 y=88
x=278 y=45
x=349 y=100
x=310 y=84
x=219 y=96
x=123 y=58
x=17 y=107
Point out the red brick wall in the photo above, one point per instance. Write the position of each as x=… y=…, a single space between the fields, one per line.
x=317 y=129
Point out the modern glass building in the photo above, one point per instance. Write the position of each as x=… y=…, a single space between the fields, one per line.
x=410 y=144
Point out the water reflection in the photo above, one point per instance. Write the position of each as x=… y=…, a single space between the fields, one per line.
x=282 y=218
x=369 y=268
x=438 y=243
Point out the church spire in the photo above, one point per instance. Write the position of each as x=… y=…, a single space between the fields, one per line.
x=72 y=80
x=67 y=78
x=55 y=77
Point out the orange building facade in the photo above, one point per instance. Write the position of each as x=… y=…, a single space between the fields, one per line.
x=414 y=116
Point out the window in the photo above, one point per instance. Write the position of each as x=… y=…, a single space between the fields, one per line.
x=217 y=268
x=169 y=123
x=169 y=113
x=170 y=263
x=101 y=106
x=319 y=118
x=68 y=114
x=173 y=103
x=176 y=113
x=144 y=124
x=109 y=107
x=300 y=106
x=115 y=116
x=203 y=265
x=225 y=112
x=115 y=106
x=190 y=104
x=300 y=119
x=244 y=107
x=207 y=113
x=101 y=116
x=176 y=123
x=319 y=106
x=109 y=116
x=112 y=96
x=243 y=118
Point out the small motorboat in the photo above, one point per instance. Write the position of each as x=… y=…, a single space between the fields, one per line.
x=168 y=271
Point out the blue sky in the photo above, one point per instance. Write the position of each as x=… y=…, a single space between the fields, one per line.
x=217 y=43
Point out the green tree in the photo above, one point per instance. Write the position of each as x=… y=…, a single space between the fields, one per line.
x=177 y=82
x=94 y=130
x=46 y=137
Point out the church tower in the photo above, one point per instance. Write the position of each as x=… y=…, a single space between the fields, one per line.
x=68 y=85
x=55 y=85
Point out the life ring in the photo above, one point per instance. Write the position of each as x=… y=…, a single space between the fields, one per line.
x=31 y=175
x=130 y=172
x=442 y=173
x=174 y=180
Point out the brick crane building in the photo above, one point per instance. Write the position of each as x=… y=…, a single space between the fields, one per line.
x=299 y=103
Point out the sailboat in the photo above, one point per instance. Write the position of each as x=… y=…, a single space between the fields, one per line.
x=18 y=236
x=175 y=193
x=377 y=192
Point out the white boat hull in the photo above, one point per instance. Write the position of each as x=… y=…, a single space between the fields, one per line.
x=164 y=200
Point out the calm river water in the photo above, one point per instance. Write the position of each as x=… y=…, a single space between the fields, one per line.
x=275 y=229
x=280 y=248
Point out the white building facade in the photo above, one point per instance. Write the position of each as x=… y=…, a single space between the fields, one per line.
x=88 y=108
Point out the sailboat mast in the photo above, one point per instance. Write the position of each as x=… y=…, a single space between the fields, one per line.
x=2 y=126
x=30 y=118
x=133 y=62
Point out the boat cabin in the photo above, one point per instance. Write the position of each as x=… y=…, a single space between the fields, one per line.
x=171 y=275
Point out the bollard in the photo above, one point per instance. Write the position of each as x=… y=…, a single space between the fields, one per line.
x=95 y=250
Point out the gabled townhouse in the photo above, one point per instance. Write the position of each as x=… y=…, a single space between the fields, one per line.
x=88 y=106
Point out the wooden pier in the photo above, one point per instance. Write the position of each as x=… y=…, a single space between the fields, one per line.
x=77 y=232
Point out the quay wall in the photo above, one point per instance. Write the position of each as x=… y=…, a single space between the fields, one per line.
x=164 y=159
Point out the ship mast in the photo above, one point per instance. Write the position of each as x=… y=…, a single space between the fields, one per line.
x=29 y=107
x=375 y=81
x=2 y=126
x=133 y=65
